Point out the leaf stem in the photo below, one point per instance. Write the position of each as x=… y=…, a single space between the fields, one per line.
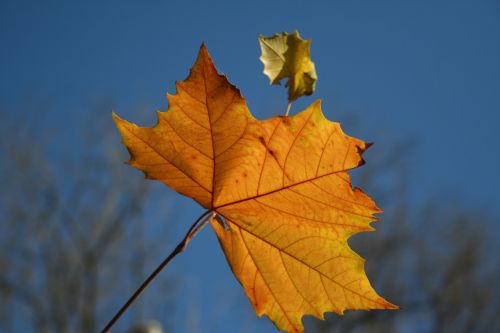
x=288 y=108
x=193 y=230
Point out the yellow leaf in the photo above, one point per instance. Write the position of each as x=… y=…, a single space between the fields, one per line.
x=282 y=187
x=287 y=56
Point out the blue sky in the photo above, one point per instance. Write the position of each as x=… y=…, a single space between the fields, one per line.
x=425 y=69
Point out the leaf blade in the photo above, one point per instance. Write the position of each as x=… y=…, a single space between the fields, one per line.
x=204 y=117
x=288 y=56
x=303 y=195
x=282 y=186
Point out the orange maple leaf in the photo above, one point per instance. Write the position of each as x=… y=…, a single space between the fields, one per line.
x=281 y=186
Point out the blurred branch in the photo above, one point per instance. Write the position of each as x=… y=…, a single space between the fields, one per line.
x=69 y=224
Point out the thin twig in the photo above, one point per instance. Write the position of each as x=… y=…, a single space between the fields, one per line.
x=193 y=230
x=288 y=108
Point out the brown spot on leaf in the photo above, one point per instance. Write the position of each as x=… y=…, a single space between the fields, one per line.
x=285 y=120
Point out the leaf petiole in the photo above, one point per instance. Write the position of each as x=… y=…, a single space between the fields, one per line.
x=288 y=108
x=193 y=230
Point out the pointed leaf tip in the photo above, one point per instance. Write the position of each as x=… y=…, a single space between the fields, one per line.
x=203 y=47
